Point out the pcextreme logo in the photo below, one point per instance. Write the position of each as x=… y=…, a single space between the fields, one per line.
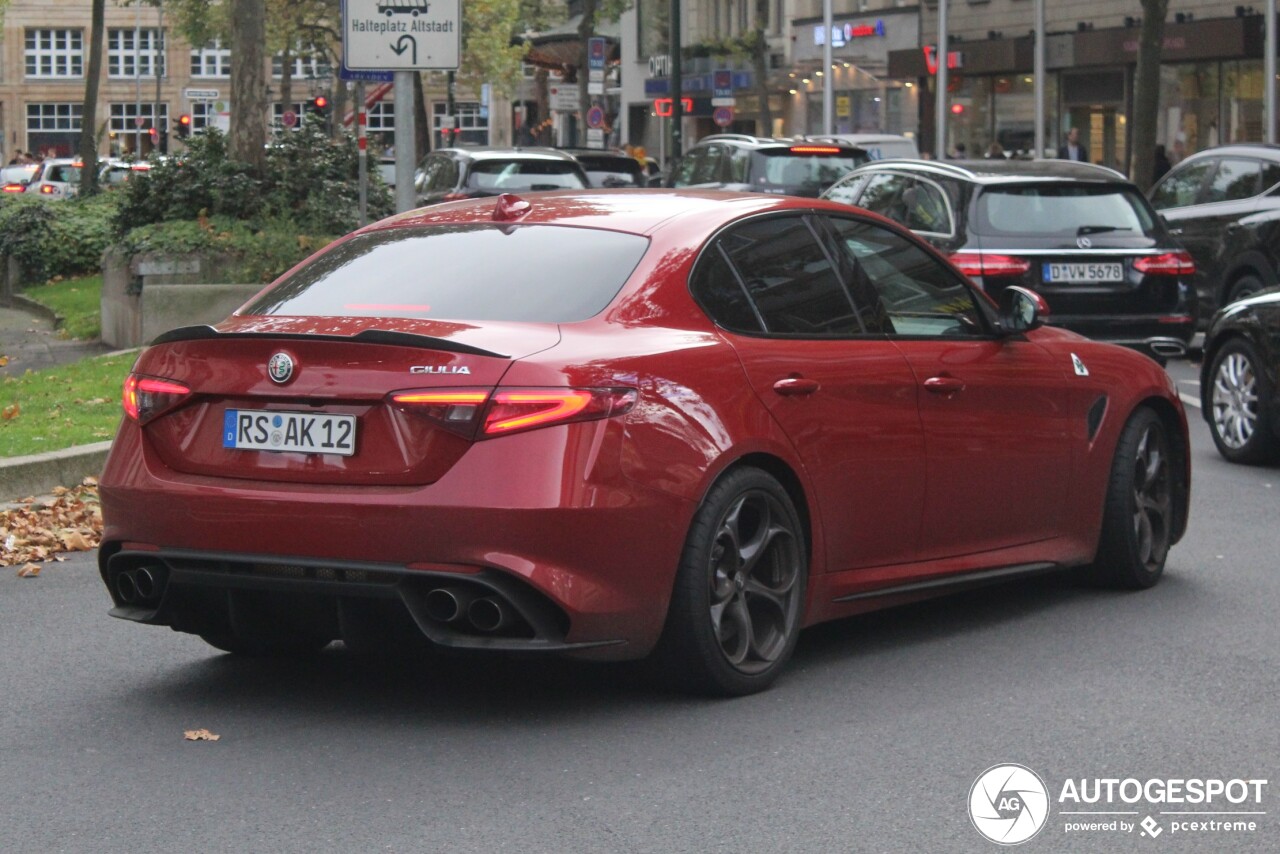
x=1010 y=804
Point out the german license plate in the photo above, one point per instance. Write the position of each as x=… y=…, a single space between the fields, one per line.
x=273 y=430
x=1083 y=273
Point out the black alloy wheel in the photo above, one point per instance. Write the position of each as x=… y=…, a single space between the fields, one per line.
x=736 y=608
x=1138 y=519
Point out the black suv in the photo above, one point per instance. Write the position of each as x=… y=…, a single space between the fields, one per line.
x=1082 y=236
x=730 y=161
x=450 y=174
x=1224 y=205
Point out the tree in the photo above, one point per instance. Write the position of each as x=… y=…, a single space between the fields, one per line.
x=248 y=135
x=1146 y=90
x=89 y=112
x=759 y=51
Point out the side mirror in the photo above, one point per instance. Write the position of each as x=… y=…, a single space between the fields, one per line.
x=1021 y=310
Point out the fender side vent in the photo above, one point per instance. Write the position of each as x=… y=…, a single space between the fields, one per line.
x=1093 y=420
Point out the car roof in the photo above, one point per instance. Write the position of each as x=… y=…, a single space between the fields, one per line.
x=517 y=153
x=768 y=141
x=1268 y=150
x=634 y=211
x=1001 y=171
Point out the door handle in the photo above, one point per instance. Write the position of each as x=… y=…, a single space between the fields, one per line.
x=944 y=385
x=1176 y=232
x=794 y=386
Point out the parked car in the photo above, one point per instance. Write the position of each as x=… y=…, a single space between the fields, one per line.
x=878 y=146
x=56 y=178
x=730 y=161
x=450 y=174
x=610 y=168
x=1239 y=377
x=115 y=171
x=1223 y=204
x=14 y=179
x=613 y=425
x=1081 y=235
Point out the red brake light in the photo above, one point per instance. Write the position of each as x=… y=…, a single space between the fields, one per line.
x=13 y=188
x=48 y=189
x=815 y=149
x=478 y=413
x=976 y=264
x=147 y=397
x=1168 y=264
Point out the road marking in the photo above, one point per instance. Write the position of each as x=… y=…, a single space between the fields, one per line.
x=1189 y=400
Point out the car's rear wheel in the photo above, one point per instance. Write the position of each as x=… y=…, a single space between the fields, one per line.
x=1245 y=286
x=1238 y=418
x=739 y=593
x=1138 y=519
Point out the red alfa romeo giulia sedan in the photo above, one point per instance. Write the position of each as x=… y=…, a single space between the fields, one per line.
x=619 y=424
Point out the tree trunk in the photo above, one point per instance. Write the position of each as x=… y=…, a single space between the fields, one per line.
x=421 y=122
x=286 y=77
x=760 y=68
x=541 y=129
x=586 y=29
x=248 y=135
x=1146 y=91
x=89 y=115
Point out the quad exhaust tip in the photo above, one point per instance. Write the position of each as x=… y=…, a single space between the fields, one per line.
x=463 y=605
x=141 y=586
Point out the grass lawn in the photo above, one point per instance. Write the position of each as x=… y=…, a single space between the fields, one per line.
x=61 y=407
x=77 y=300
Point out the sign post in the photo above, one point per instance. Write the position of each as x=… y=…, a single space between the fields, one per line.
x=405 y=38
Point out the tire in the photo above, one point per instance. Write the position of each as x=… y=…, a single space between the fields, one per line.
x=1138 y=518
x=1245 y=286
x=1238 y=398
x=738 y=600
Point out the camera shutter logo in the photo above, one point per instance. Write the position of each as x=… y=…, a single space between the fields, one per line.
x=1009 y=804
x=280 y=368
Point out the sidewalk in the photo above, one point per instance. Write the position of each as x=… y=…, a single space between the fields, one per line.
x=28 y=340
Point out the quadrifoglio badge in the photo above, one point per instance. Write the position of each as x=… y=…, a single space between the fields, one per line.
x=1010 y=804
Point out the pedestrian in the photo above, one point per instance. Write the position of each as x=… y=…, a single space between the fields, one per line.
x=1161 y=165
x=961 y=152
x=995 y=151
x=1073 y=149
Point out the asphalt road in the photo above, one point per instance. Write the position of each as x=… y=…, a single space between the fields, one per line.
x=870 y=743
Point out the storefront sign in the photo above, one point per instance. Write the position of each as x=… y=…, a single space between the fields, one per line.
x=955 y=59
x=841 y=34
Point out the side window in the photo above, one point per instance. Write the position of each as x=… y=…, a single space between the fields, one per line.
x=789 y=278
x=846 y=192
x=683 y=175
x=1181 y=187
x=739 y=165
x=884 y=195
x=707 y=170
x=439 y=174
x=926 y=208
x=721 y=294
x=1270 y=175
x=1234 y=180
x=906 y=289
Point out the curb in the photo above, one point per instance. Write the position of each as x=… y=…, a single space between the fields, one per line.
x=38 y=474
x=30 y=306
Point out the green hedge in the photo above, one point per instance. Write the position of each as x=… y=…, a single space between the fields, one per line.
x=260 y=252
x=57 y=238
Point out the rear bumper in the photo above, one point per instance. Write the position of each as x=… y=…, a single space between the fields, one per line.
x=584 y=556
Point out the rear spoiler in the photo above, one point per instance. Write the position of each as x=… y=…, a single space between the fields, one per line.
x=368 y=336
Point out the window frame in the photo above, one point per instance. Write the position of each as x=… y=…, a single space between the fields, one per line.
x=65 y=48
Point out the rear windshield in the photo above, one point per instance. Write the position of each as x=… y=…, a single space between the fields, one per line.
x=527 y=175
x=64 y=174
x=813 y=172
x=612 y=171
x=1063 y=210
x=535 y=273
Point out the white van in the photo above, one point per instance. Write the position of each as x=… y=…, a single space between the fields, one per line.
x=879 y=146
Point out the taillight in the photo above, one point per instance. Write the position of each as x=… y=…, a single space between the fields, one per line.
x=147 y=397
x=48 y=189
x=1168 y=264
x=479 y=413
x=988 y=264
x=13 y=188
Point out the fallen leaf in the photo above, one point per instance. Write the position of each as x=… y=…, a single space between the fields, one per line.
x=38 y=529
x=4 y=360
x=200 y=735
x=31 y=570
x=11 y=412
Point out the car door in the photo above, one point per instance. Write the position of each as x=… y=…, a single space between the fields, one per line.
x=994 y=410
x=846 y=399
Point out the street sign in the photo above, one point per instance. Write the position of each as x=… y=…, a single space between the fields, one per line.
x=564 y=98
x=595 y=138
x=139 y=121
x=288 y=118
x=722 y=116
x=722 y=83
x=201 y=94
x=595 y=117
x=345 y=73
x=401 y=35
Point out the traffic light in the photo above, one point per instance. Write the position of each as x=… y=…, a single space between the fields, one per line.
x=318 y=107
x=184 y=126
